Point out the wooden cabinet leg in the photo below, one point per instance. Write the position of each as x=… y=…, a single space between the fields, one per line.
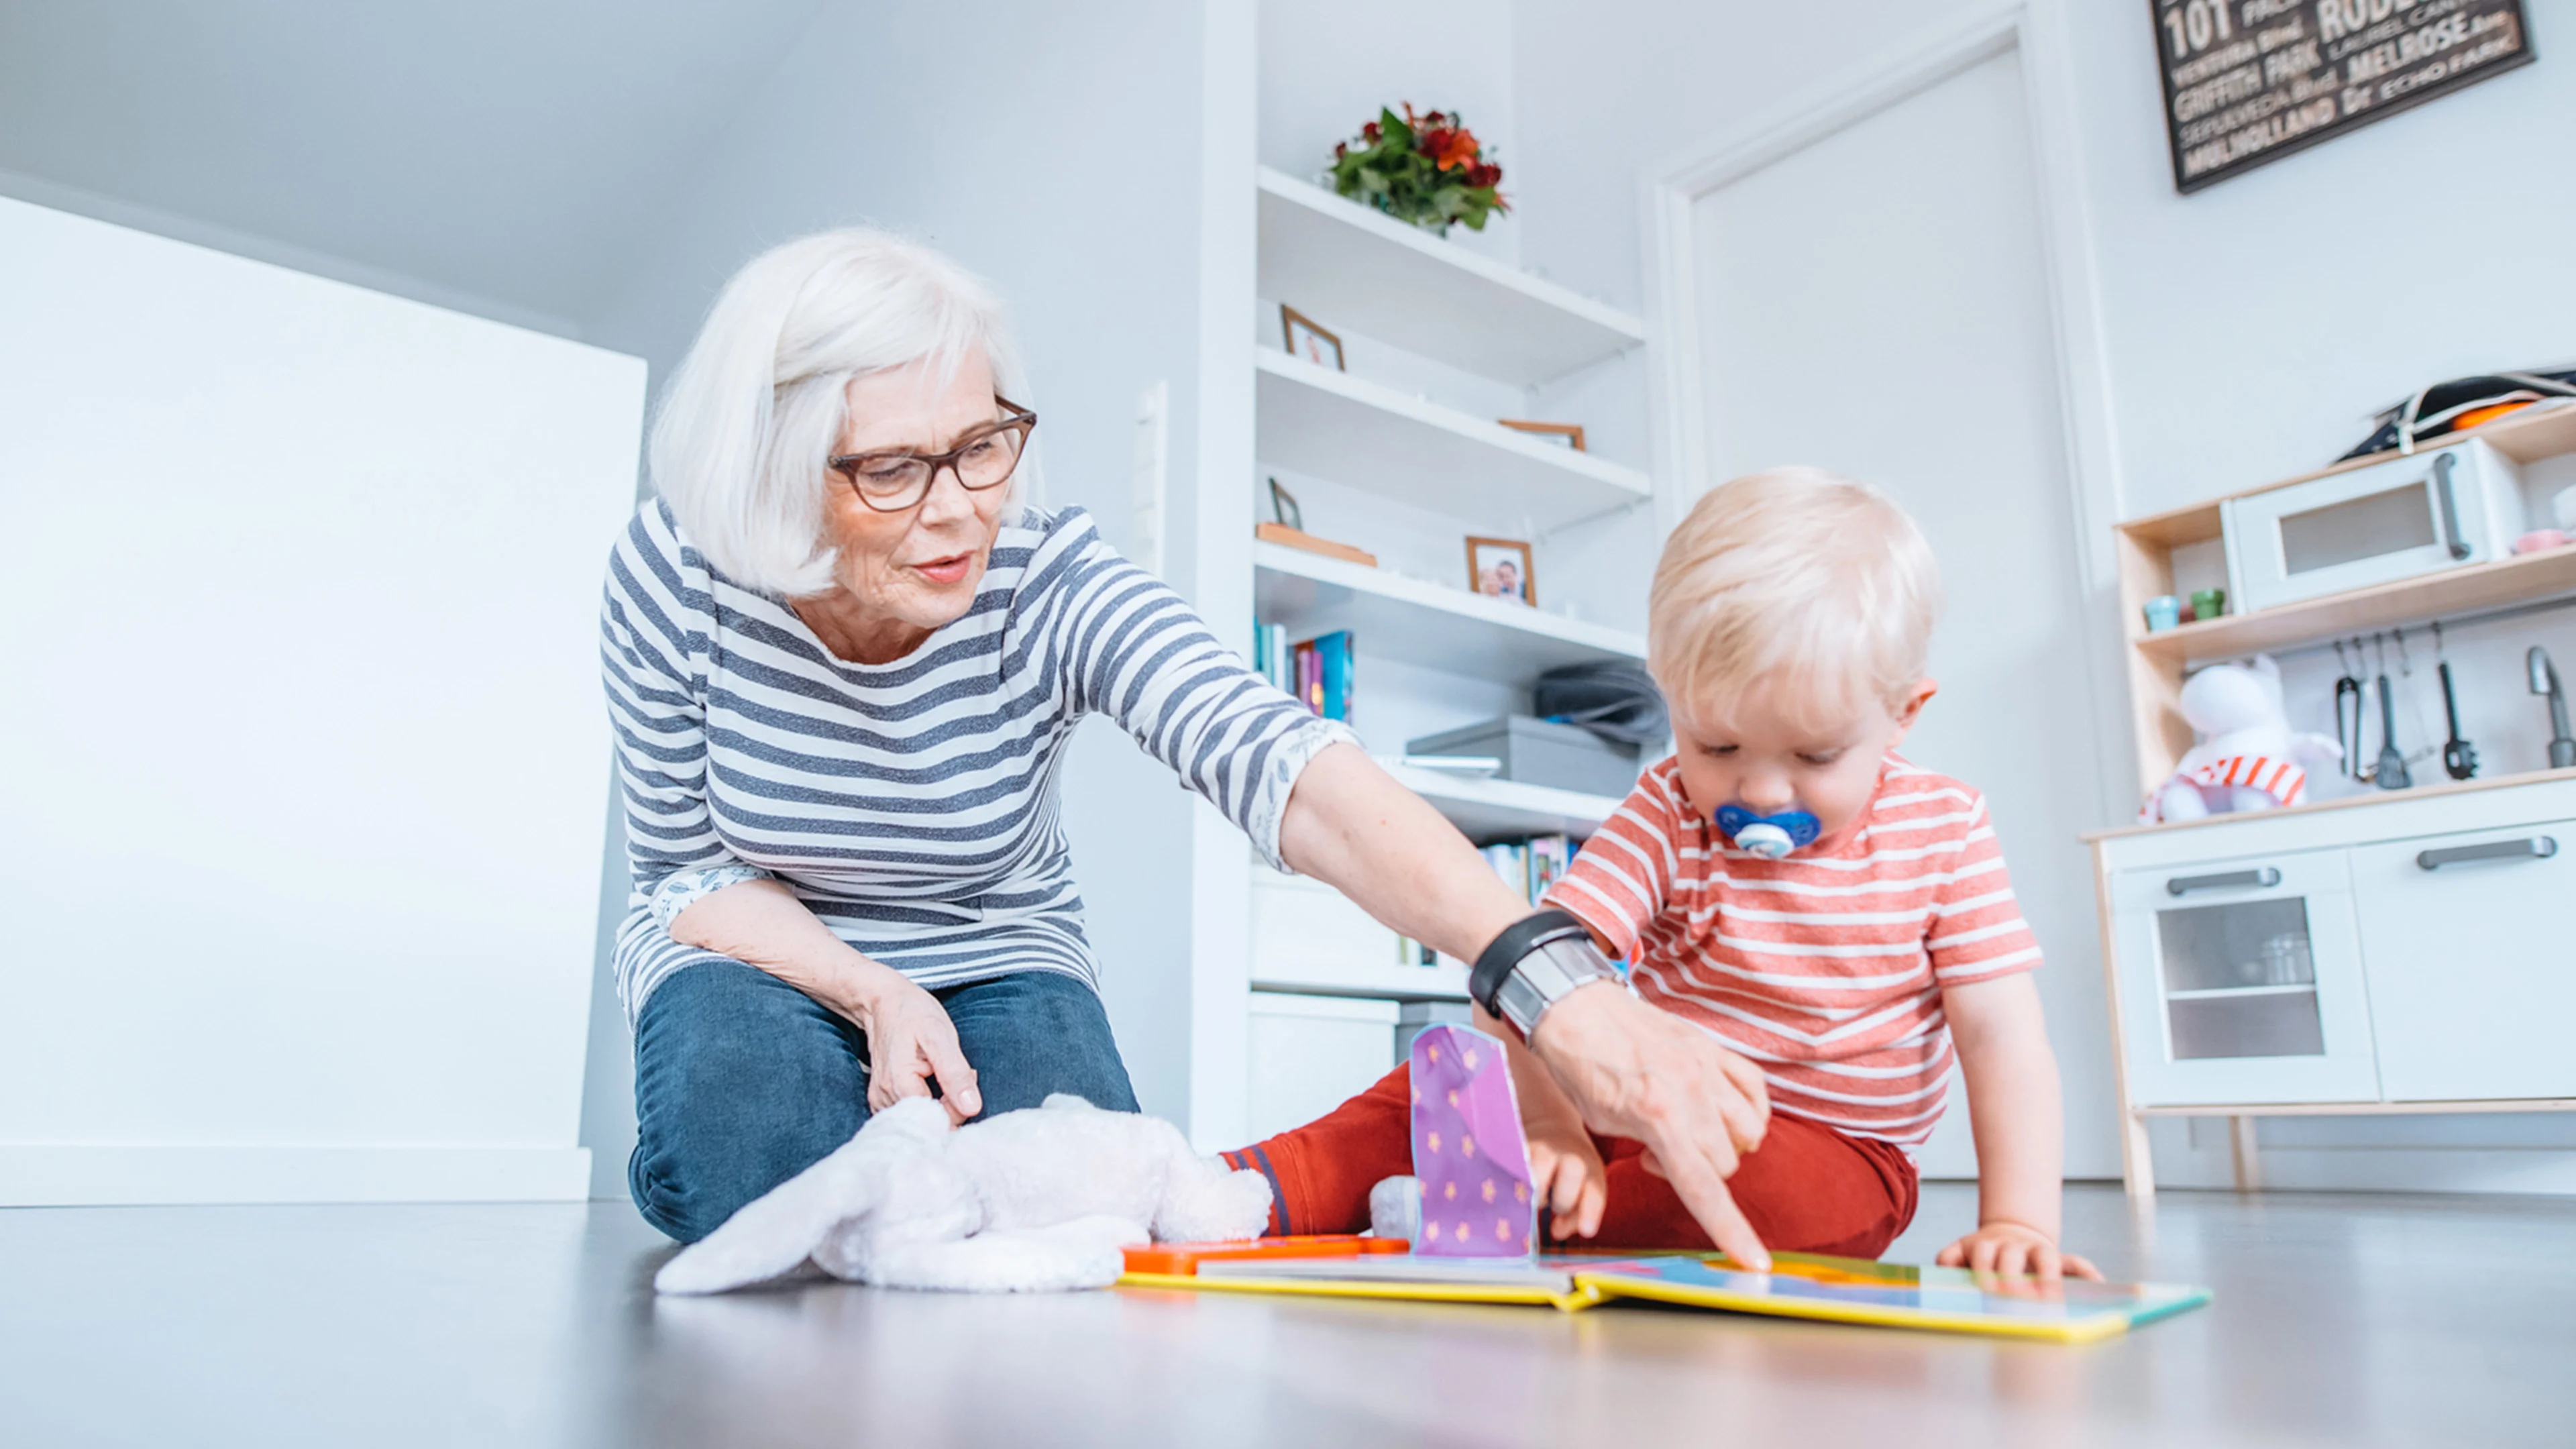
x=2241 y=1146
x=2137 y=1162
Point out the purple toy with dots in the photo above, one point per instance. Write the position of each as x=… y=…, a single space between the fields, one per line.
x=1467 y=1148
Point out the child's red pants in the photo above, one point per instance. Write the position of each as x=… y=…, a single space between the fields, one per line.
x=1807 y=1189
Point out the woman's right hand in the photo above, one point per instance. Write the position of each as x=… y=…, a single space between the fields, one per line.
x=911 y=1041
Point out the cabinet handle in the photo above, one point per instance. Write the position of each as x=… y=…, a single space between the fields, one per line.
x=2537 y=847
x=2263 y=876
x=2458 y=546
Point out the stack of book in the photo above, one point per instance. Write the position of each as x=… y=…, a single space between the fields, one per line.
x=1316 y=672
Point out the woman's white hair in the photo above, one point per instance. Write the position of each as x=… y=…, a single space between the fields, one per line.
x=741 y=443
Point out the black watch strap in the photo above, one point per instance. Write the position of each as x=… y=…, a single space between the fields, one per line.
x=1494 y=966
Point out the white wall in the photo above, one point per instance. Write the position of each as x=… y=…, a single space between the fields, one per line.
x=306 y=787
x=1055 y=150
x=2224 y=373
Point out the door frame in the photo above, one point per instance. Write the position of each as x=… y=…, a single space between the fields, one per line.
x=2038 y=32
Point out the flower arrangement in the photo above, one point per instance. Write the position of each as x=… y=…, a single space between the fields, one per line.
x=1426 y=169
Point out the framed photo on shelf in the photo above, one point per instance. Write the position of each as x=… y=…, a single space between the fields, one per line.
x=1284 y=510
x=1309 y=341
x=1500 y=568
x=1564 y=435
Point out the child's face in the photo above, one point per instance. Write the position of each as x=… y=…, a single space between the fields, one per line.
x=1749 y=752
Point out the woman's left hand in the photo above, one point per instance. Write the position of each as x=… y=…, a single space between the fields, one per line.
x=2012 y=1249
x=911 y=1042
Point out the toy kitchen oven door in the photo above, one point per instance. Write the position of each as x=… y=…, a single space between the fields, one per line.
x=2416 y=514
x=2241 y=981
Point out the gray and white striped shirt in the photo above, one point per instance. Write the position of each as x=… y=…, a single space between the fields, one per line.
x=913 y=806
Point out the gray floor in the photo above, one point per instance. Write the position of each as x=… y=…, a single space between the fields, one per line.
x=2343 y=1319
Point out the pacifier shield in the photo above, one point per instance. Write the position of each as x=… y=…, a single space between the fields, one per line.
x=1768 y=836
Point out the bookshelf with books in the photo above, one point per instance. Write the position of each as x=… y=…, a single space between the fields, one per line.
x=1374 y=468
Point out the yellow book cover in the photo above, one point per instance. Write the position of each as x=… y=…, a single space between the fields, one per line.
x=1799 y=1285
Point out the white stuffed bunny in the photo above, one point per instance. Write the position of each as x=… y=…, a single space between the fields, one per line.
x=2248 y=757
x=1031 y=1201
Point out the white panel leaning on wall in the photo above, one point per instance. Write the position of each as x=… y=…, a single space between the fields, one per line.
x=303 y=861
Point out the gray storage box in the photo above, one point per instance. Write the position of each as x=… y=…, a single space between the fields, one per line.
x=1537 y=752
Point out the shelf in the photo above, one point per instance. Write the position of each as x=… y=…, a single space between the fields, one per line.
x=1413 y=622
x=2228 y=993
x=1383 y=983
x=1489 y=809
x=2405 y=602
x=1370 y=436
x=1348 y=266
x=2342 y=802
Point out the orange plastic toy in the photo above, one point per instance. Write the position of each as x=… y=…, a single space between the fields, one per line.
x=1183 y=1259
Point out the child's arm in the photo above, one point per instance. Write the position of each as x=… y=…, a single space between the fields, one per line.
x=1565 y=1168
x=2013 y=1109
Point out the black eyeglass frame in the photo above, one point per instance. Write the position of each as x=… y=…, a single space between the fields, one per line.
x=1021 y=421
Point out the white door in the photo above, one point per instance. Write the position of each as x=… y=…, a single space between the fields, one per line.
x=2241 y=981
x=1876 y=303
x=2465 y=939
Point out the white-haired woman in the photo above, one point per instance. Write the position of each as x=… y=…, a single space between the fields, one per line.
x=843 y=662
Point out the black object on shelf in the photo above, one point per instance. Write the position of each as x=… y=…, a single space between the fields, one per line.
x=2459 y=757
x=1615 y=699
x=2390 y=773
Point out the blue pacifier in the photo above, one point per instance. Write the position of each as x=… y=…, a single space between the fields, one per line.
x=1768 y=836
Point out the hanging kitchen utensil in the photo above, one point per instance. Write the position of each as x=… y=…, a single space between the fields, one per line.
x=2390 y=772
x=2459 y=757
x=2348 y=727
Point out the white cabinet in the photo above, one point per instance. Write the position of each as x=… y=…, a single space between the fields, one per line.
x=2410 y=953
x=1310 y=1054
x=2472 y=963
x=2243 y=982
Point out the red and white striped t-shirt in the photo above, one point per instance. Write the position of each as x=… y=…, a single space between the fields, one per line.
x=1825 y=969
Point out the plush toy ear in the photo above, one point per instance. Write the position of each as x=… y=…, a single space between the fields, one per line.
x=775 y=1233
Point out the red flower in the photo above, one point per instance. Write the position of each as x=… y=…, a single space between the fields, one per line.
x=1370 y=133
x=1449 y=149
x=1484 y=173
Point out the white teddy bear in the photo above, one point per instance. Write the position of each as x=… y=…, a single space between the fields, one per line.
x=2248 y=757
x=1037 y=1200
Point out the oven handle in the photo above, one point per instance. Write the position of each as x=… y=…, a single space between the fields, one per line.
x=2442 y=464
x=2532 y=847
x=2262 y=877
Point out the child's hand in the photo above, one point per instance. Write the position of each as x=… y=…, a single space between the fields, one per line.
x=2012 y=1249
x=1566 y=1171
x=1565 y=1168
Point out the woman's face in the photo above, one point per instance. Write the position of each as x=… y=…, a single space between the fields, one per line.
x=920 y=566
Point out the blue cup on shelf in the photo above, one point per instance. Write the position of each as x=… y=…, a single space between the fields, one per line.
x=2163 y=612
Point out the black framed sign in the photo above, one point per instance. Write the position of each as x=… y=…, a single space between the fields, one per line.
x=2250 y=81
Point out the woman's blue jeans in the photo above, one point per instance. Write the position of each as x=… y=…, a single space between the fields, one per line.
x=742 y=1081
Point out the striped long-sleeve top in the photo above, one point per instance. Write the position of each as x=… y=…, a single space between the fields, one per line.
x=912 y=805
x=1825 y=968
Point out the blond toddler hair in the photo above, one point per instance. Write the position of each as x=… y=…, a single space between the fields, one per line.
x=1815 y=583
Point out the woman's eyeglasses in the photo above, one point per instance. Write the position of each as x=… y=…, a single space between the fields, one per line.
x=985 y=458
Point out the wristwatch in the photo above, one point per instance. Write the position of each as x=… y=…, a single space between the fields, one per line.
x=1536 y=962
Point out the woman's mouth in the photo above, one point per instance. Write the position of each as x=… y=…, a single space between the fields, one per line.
x=950 y=570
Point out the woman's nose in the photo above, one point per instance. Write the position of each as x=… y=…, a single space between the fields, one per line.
x=947 y=501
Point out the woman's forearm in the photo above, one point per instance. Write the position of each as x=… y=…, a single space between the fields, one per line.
x=2014 y=1109
x=761 y=923
x=1351 y=826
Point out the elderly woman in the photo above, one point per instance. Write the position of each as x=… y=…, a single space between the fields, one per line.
x=843 y=661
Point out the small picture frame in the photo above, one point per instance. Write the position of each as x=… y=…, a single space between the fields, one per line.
x=1283 y=508
x=1500 y=568
x=1309 y=341
x=1564 y=435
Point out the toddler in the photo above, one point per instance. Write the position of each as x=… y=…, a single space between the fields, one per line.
x=1837 y=918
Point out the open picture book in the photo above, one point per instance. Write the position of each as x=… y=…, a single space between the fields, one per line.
x=1799 y=1285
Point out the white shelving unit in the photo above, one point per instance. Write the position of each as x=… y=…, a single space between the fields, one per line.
x=1340 y=259
x=1368 y=435
x=1486 y=809
x=1424 y=623
x=1332 y=989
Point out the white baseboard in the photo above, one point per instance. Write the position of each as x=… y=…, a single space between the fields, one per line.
x=84 y=1176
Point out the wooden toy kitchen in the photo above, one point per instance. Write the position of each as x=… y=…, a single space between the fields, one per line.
x=2402 y=948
